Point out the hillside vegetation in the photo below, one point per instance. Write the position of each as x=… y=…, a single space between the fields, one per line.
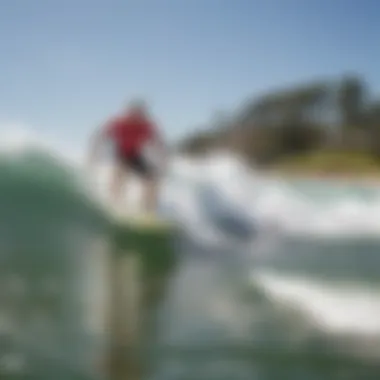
x=329 y=126
x=330 y=163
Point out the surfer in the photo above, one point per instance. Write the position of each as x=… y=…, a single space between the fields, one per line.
x=134 y=137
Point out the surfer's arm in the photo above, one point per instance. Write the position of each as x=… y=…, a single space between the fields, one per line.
x=96 y=142
x=160 y=143
x=158 y=138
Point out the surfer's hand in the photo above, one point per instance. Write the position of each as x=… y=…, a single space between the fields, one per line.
x=164 y=160
x=90 y=164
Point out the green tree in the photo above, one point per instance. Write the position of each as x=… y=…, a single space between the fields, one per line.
x=352 y=94
x=373 y=126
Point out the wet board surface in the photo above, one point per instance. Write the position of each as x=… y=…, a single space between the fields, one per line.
x=150 y=238
x=144 y=222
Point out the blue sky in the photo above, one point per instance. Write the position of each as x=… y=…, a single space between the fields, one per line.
x=67 y=65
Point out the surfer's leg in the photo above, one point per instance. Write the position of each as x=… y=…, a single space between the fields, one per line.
x=150 y=179
x=151 y=186
x=117 y=183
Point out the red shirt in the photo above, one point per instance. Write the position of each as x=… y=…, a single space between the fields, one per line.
x=130 y=133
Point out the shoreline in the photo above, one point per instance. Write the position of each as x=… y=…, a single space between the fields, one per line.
x=366 y=179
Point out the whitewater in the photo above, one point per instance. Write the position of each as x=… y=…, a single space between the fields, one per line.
x=267 y=263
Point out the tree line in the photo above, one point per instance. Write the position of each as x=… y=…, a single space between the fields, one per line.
x=339 y=115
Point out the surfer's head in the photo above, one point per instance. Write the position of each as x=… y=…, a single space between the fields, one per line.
x=138 y=107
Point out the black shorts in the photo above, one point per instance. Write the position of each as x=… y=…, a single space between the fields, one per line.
x=137 y=163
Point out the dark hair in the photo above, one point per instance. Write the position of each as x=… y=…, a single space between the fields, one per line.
x=138 y=104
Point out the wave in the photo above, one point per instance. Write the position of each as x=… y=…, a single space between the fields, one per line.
x=296 y=207
x=308 y=293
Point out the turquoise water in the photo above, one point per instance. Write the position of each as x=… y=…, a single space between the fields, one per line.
x=287 y=304
x=46 y=222
x=298 y=306
x=262 y=324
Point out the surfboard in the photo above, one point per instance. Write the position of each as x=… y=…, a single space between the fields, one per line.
x=146 y=222
x=148 y=236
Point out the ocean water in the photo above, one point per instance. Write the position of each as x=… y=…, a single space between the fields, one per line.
x=47 y=229
x=277 y=279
